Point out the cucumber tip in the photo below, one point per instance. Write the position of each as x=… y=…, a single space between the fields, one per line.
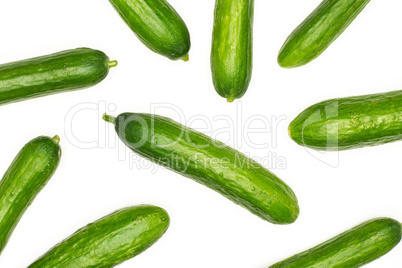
x=186 y=58
x=112 y=63
x=56 y=139
x=230 y=99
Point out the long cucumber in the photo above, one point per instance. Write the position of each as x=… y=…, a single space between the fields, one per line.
x=209 y=162
x=29 y=172
x=353 y=248
x=110 y=240
x=59 y=72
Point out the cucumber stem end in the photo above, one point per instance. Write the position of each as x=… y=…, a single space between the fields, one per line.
x=112 y=63
x=109 y=119
x=186 y=58
x=56 y=139
x=230 y=99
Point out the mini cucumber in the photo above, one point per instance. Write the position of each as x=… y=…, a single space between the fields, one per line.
x=63 y=71
x=349 y=123
x=232 y=46
x=316 y=33
x=29 y=172
x=353 y=248
x=110 y=240
x=157 y=25
x=209 y=162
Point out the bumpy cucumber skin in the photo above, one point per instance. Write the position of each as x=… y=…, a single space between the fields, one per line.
x=109 y=241
x=63 y=71
x=29 y=172
x=316 y=33
x=353 y=248
x=349 y=123
x=232 y=46
x=209 y=162
x=157 y=25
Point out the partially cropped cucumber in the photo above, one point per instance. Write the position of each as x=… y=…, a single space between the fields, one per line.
x=209 y=162
x=353 y=248
x=232 y=46
x=322 y=27
x=348 y=123
x=64 y=71
x=157 y=25
x=24 y=179
x=109 y=241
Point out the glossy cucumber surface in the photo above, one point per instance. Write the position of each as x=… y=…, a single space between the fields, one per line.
x=316 y=33
x=209 y=162
x=232 y=46
x=157 y=25
x=63 y=71
x=353 y=248
x=348 y=123
x=110 y=240
x=29 y=172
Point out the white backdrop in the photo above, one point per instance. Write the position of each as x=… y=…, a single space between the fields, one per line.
x=336 y=191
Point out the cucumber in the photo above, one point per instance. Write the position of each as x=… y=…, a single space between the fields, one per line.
x=353 y=248
x=232 y=46
x=157 y=25
x=29 y=172
x=110 y=240
x=63 y=71
x=209 y=162
x=348 y=123
x=316 y=33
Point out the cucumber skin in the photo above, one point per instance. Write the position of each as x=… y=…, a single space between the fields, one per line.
x=353 y=248
x=157 y=25
x=59 y=72
x=240 y=179
x=232 y=47
x=110 y=240
x=29 y=172
x=316 y=33
x=349 y=123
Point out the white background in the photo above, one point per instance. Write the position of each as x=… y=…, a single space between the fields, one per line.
x=206 y=229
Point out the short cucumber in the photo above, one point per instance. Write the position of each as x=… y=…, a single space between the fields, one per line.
x=232 y=46
x=353 y=248
x=29 y=172
x=110 y=240
x=316 y=33
x=157 y=25
x=63 y=71
x=209 y=162
x=348 y=123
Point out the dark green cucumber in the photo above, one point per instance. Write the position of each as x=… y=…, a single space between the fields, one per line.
x=316 y=33
x=232 y=46
x=64 y=71
x=209 y=162
x=348 y=123
x=157 y=25
x=353 y=248
x=29 y=172
x=109 y=241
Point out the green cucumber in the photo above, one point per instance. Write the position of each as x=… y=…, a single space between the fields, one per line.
x=232 y=46
x=316 y=33
x=63 y=71
x=209 y=162
x=109 y=241
x=353 y=248
x=157 y=25
x=29 y=172
x=348 y=123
